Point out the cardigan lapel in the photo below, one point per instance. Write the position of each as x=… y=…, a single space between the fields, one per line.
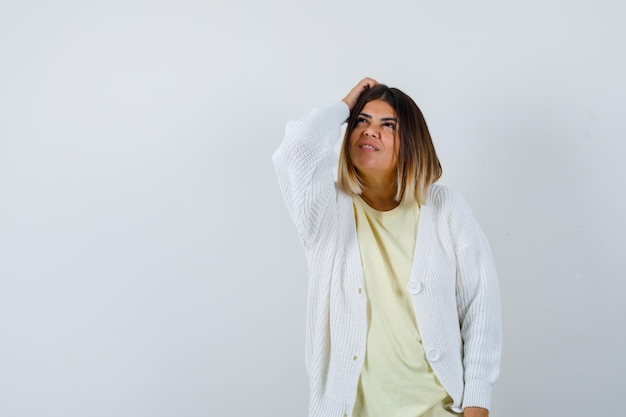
x=424 y=237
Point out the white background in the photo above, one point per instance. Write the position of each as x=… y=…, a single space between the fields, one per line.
x=148 y=266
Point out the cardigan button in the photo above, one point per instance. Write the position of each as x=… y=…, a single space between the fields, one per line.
x=433 y=355
x=414 y=287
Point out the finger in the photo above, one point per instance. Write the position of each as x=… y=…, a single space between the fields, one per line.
x=358 y=89
x=365 y=84
x=368 y=82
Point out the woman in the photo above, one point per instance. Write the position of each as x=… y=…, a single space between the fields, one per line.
x=403 y=317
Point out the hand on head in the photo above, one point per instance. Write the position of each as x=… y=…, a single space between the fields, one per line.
x=356 y=91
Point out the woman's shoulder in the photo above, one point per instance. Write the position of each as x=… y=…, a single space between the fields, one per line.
x=443 y=195
x=452 y=211
x=448 y=202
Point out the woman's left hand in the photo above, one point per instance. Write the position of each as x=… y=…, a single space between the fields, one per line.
x=475 y=412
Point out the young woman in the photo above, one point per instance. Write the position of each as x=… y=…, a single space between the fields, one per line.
x=403 y=317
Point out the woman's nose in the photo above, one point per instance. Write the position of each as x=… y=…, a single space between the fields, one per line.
x=372 y=132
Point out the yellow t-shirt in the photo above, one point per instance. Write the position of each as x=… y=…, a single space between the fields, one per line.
x=396 y=379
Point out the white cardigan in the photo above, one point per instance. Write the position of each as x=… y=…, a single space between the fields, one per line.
x=453 y=281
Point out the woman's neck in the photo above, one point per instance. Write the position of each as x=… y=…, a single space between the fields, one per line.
x=380 y=197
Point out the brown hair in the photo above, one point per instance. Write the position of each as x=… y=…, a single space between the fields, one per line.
x=418 y=166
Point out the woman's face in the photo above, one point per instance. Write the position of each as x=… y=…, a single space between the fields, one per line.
x=373 y=144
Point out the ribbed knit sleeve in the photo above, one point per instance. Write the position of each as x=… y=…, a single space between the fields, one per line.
x=478 y=304
x=304 y=163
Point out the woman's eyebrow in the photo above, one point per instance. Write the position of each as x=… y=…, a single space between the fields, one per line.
x=386 y=119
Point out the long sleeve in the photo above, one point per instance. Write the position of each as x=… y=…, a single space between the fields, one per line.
x=304 y=163
x=478 y=304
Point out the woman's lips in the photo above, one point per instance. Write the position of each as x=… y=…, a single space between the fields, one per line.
x=368 y=147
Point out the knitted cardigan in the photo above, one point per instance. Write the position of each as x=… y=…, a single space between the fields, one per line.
x=453 y=282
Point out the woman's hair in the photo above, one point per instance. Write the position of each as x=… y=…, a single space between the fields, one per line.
x=417 y=167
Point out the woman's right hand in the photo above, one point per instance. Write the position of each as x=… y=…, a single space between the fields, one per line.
x=356 y=91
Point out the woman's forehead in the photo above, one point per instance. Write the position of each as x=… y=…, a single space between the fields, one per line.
x=378 y=109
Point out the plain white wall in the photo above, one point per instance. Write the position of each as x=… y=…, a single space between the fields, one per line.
x=147 y=264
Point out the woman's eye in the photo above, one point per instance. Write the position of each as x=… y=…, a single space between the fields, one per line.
x=361 y=120
x=390 y=125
